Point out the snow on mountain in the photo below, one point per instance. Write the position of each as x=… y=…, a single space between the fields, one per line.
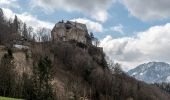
x=152 y=72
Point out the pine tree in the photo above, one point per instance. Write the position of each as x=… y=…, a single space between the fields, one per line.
x=91 y=36
x=1 y=16
x=7 y=75
x=15 y=25
x=25 y=32
x=42 y=89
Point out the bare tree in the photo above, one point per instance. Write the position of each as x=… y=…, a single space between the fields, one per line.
x=30 y=33
x=40 y=32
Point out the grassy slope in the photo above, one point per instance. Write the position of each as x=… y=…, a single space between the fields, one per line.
x=5 y=98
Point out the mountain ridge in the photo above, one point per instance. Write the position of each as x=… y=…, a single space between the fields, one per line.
x=151 y=72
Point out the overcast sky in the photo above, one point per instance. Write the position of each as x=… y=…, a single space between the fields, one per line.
x=132 y=32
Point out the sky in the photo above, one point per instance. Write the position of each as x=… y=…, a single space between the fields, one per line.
x=131 y=32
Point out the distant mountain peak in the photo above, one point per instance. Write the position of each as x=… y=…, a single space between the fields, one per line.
x=152 y=72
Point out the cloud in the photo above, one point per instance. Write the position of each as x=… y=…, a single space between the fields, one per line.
x=28 y=19
x=9 y=3
x=97 y=9
x=150 y=45
x=91 y=25
x=148 y=9
x=118 y=28
x=5 y=2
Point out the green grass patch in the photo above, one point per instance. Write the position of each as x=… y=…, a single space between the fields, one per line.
x=6 y=98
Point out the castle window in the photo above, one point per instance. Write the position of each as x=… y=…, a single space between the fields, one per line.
x=68 y=26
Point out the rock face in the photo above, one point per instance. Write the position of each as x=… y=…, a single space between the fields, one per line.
x=152 y=72
x=22 y=63
x=66 y=31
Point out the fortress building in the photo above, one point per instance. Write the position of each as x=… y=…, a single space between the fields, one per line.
x=68 y=31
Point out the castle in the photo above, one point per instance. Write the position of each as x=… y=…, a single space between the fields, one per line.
x=67 y=31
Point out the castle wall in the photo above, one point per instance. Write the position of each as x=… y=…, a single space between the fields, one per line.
x=77 y=34
x=58 y=34
x=74 y=32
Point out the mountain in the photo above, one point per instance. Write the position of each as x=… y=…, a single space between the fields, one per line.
x=152 y=72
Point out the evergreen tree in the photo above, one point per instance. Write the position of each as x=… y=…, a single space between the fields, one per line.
x=15 y=25
x=117 y=69
x=25 y=32
x=7 y=75
x=91 y=36
x=1 y=16
x=42 y=88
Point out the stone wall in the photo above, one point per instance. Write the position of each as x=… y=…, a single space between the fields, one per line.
x=70 y=31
